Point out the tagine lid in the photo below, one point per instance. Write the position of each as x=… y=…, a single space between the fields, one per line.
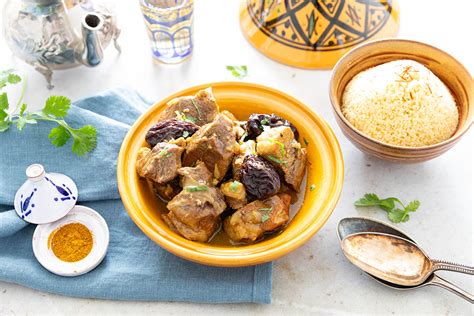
x=314 y=34
x=45 y=197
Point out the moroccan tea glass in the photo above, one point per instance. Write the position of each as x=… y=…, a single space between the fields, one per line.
x=170 y=28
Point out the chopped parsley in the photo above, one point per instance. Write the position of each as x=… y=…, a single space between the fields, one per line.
x=267 y=210
x=185 y=134
x=282 y=146
x=233 y=186
x=275 y=159
x=196 y=188
x=264 y=121
x=182 y=117
x=239 y=72
x=305 y=141
x=312 y=187
x=165 y=153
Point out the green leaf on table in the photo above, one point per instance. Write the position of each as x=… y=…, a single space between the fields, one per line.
x=22 y=109
x=85 y=140
x=239 y=72
x=4 y=125
x=57 y=106
x=395 y=214
x=3 y=101
x=8 y=77
x=59 y=136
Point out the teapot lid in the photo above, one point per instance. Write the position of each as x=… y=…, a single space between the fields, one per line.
x=45 y=197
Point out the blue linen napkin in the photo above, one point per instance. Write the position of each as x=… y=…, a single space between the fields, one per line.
x=135 y=268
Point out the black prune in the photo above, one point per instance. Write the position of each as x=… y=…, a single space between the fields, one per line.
x=259 y=177
x=256 y=122
x=167 y=130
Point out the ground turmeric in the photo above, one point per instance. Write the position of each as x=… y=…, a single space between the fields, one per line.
x=71 y=242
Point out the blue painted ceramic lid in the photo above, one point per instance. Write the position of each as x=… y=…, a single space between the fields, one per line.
x=45 y=197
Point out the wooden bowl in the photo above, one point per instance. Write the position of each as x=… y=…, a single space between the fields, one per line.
x=443 y=65
x=325 y=170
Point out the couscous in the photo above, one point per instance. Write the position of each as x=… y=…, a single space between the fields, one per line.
x=401 y=103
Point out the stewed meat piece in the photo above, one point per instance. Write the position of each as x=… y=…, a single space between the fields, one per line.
x=195 y=211
x=159 y=164
x=279 y=147
x=235 y=195
x=245 y=148
x=214 y=144
x=250 y=222
x=199 y=109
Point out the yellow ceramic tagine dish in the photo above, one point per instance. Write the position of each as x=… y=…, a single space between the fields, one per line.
x=315 y=33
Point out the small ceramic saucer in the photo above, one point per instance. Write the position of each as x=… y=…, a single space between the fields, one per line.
x=79 y=214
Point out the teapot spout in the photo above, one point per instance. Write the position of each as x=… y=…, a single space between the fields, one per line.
x=92 y=52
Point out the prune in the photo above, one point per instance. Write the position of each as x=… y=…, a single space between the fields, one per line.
x=167 y=130
x=256 y=122
x=259 y=177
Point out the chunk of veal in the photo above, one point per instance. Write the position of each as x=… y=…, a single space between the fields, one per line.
x=159 y=164
x=250 y=222
x=278 y=145
x=199 y=109
x=195 y=211
x=214 y=144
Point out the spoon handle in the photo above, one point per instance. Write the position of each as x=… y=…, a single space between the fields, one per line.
x=450 y=266
x=452 y=288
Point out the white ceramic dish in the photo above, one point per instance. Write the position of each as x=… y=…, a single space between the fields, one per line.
x=100 y=233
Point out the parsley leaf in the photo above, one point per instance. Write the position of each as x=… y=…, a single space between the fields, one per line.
x=3 y=101
x=55 y=109
x=185 y=134
x=394 y=213
x=275 y=159
x=57 y=106
x=305 y=141
x=59 y=136
x=196 y=188
x=8 y=77
x=85 y=139
x=265 y=217
x=239 y=72
x=312 y=187
x=234 y=185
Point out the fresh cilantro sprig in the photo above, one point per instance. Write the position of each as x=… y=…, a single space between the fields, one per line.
x=239 y=72
x=55 y=110
x=397 y=212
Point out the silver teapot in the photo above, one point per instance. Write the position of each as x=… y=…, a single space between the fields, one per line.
x=43 y=33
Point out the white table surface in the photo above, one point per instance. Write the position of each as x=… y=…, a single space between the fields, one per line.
x=316 y=278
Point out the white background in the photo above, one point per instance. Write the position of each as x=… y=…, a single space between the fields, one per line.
x=315 y=278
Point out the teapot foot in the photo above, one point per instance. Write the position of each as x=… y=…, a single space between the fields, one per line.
x=46 y=72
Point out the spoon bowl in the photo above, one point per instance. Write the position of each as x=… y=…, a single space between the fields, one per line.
x=388 y=257
x=352 y=225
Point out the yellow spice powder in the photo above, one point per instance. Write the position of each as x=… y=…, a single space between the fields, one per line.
x=71 y=242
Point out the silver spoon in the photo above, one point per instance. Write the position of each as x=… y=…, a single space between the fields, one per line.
x=353 y=225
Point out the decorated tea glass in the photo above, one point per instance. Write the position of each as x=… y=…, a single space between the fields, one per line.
x=170 y=28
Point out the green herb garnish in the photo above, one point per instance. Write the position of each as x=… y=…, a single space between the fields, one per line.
x=196 y=107
x=395 y=214
x=182 y=117
x=282 y=146
x=312 y=187
x=238 y=71
x=264 y=121
x=196 y=188
x=267 y=210
x=233 y=186
x=185 y=134
x=164 y=152
x=275 y=159
x=55 y=110
x=305 y=141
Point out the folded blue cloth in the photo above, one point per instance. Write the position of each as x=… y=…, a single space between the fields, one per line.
x=135 y=268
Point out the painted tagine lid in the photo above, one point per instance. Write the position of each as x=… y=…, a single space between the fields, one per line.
x=314 y=34
x=45 y=197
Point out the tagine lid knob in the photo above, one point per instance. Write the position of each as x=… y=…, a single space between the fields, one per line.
x=45 y=197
